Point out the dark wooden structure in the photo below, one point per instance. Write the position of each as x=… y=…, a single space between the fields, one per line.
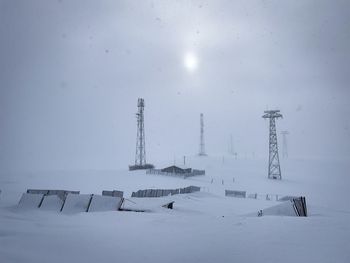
x=176 y=170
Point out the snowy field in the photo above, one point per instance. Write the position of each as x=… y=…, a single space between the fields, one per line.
x=203 y=227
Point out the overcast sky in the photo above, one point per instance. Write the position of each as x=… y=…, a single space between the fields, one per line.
x=71 y=73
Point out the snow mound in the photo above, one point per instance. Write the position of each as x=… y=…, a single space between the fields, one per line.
x=284 y=209
x=234 y=193
x=294 y=207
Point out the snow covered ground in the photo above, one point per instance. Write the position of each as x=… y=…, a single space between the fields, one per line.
x=203 y=227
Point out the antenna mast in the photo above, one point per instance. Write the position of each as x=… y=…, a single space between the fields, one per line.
x=201 y=143
x=140 y=156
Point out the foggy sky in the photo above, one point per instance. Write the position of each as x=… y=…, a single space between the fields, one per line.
x=71 y=73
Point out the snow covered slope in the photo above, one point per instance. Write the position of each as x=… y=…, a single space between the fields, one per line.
x=203 y=227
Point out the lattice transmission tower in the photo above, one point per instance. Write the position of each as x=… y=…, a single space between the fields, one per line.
x=284 y=144
x=201 y=140
x=140 y=156
x=274 y=171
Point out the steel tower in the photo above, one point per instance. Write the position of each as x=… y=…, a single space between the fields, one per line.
x=274 y=171
x=140 y=156
x=201 y=141
x=285 y=144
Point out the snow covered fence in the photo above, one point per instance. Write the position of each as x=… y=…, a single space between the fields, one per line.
x=70 y=201
x=275 y=197
x=287 y=198
x=30 y=201
x=154 y=193
x=268 y=197
x=253 y=196
x=101 y=203
x=233 y=193
x=189 y=189
x=165 y=192
x=60 y=193
x=77 y=203
x=51 y=199
x=90 y=203
x=52 y=203
x=114 y=193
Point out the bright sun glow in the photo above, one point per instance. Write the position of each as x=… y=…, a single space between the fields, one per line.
x=191 y=62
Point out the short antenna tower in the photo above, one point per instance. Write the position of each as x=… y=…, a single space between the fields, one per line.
x=274 y=170
x=201 y=142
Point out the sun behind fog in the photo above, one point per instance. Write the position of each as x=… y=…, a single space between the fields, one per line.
x=190 y=62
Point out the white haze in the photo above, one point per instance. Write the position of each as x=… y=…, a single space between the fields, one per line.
x=71 y=73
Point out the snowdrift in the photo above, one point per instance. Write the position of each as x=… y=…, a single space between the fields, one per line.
x=294 y=207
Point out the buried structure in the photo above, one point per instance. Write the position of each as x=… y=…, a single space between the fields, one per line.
x=70 y=201
x=176 y=171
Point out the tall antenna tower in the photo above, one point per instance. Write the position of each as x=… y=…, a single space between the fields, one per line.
x=285 y=144
x=140 y=156
x=201 y=142
x=274 y=171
